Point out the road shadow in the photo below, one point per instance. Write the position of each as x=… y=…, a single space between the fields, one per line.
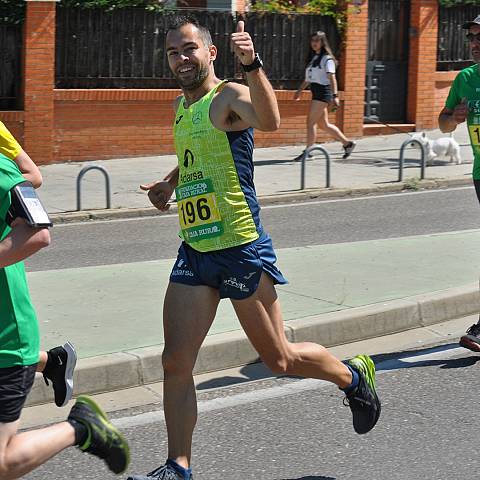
x=395 y=360
x=252 y=371
x=311 y=477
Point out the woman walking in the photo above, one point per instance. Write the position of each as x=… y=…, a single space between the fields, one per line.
x=320 y=75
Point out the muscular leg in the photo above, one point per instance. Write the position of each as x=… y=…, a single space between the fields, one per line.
x=188 y=313
x=22 y=453
x=261 y=318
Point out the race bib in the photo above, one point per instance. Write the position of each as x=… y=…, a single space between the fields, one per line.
x=198 y=211
x=474 y=131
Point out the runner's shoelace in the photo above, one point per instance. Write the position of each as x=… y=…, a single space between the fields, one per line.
x=165 y=472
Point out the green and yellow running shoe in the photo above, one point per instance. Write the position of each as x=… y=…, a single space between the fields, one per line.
x=363 y=400
x=103 y=440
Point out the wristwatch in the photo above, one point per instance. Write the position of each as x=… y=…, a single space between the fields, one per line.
x=335 y=95
x=255 y=65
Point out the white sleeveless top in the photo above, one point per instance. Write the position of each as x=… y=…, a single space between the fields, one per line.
x=318 y=69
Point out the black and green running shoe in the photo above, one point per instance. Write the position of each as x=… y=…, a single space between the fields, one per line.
x=363 y=400
x=103 y=439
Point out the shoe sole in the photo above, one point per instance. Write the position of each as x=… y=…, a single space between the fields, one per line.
x=368 y=370
x=69 y=370
x=347 y=154
x=466 y=342
x=103 y=416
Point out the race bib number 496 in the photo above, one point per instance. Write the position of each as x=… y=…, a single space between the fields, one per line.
x=198 y=211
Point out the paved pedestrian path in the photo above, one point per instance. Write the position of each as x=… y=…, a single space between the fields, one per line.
x=374 y=163
x=113 y=308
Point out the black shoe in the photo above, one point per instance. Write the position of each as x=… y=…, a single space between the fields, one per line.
x=348 y=149
x=165 y=472
x=59 y=370
x=471 y=339
x=103 y=439
x=363 y=401
x=300 y=157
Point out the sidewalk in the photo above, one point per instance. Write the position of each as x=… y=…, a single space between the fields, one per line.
x=337 y=293
x=374 y=164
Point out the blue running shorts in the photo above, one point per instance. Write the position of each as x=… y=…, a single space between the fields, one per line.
x=235 y=272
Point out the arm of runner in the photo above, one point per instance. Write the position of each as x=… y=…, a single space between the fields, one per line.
x=449 y=119
x=256 y=106
x=160 y=191
x=29 y=169
x=22 y=242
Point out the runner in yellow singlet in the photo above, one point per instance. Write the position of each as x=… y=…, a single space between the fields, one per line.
x=225 y=251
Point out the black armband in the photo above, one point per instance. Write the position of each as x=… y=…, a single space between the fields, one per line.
x=27 y=205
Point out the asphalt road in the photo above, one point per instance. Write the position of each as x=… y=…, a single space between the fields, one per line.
x=292 y=429
x=301 y=224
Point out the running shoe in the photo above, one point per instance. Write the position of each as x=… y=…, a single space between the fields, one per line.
x=299 y=157
x=348 y=149
x=103 y=439
x=471 y=339
x=363 y=400
x=59 y=370
x=165 y=472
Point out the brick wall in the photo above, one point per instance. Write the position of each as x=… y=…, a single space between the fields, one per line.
x=39 y=71
x=97 y=124
x=67 y=125
x=422 y=63
x=354 y=69
x=14 y=122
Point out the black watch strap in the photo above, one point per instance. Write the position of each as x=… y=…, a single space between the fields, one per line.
x=256 y=64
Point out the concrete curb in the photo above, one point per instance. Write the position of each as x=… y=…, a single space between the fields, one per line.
x=301 y=195
x=142 y=366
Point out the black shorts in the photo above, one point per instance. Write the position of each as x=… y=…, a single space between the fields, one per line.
x=477 y=188
x=15 y=385
x=322 y=93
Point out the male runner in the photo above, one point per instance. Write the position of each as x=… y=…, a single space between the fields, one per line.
x=225 y=252
x=463 y=103
x=87 y=426
x=58 y=364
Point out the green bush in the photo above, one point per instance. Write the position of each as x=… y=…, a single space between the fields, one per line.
x=457 y=3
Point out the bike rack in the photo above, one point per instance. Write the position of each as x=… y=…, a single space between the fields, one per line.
x=304 y=159
x=405 y=144
x=79 y=181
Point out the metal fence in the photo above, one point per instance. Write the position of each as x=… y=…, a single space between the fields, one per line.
x=453 y=49
x=10 y=68
x=125 y=48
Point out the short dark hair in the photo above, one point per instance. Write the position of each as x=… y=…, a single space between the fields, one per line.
x=181 y=20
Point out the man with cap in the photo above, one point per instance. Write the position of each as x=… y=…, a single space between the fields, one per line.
x=463 y=104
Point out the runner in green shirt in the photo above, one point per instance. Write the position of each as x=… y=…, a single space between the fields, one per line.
x=463 y=104
x=87 y=426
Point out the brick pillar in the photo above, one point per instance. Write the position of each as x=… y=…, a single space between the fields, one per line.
x=354 y=68
x=240 y=5
x=422 y=64
x=39 y=79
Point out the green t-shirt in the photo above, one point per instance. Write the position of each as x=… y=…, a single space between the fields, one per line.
x=467 y=85
x=19 y=335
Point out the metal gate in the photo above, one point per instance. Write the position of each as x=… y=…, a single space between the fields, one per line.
x=387 y=65
x=10 y=60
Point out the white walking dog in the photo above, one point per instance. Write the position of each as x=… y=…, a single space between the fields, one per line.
x=441 y=147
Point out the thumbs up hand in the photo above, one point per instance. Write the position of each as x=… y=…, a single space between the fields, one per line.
x=242 y=44
x=460 y=112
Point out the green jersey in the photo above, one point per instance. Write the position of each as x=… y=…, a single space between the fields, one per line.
x=216 y=196
x=19 y=335
x=467 y=85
